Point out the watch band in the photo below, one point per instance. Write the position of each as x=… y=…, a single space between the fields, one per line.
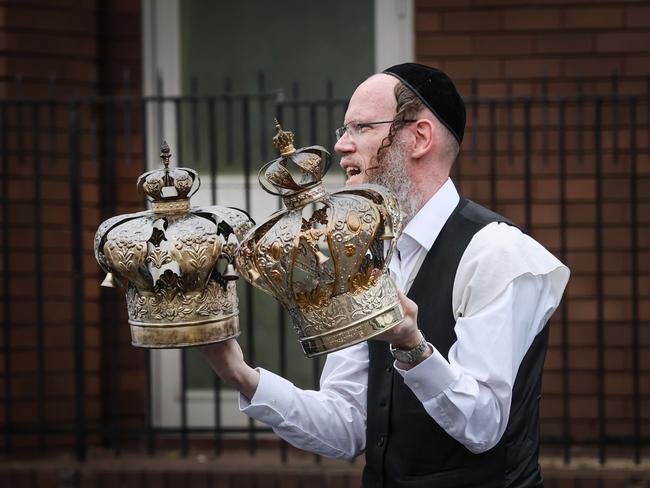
x=410 y=356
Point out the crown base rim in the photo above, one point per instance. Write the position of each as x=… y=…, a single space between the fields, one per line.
x=172 y=336
x=178 y=206
x=356 y=333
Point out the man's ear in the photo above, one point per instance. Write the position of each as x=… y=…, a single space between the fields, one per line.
x=424 y=138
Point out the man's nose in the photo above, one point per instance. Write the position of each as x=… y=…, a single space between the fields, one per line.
x=344 y=145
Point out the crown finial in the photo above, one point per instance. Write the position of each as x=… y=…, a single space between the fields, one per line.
x=165 y=154
x=283 y=140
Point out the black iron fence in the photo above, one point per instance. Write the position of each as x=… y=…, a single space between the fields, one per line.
x=573 y=170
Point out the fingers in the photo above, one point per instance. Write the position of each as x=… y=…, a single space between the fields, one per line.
x=409 y=306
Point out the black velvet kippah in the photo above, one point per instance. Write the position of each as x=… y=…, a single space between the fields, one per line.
x=437 y=92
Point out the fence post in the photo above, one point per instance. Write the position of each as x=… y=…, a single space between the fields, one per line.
x=6 y=275
x=634 y=251
x=74 y=135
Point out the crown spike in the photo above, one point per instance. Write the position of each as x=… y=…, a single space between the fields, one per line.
x=283 y=140
x=165 y=154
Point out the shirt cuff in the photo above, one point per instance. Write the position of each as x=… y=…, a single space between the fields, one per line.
x=272 y=399
x=430 y=377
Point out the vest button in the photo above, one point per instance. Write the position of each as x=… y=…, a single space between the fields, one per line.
x=389 y=369
x=381 y=441
x=382 y=403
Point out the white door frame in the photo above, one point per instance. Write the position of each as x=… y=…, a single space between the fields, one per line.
x=161 y=61
x=394 y=33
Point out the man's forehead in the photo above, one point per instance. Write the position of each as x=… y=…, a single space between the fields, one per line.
x=373 y=97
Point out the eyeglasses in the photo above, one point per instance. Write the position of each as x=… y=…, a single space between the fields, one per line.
x=355 y=128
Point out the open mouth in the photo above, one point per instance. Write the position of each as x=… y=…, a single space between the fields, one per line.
x=352 y=171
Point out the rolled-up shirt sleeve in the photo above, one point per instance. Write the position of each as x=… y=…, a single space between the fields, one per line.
x=330 y=422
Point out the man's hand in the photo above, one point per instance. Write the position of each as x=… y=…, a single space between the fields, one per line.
x=406 y=334
x=227 y=360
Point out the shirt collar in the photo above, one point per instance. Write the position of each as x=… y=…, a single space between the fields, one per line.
x=425 y=226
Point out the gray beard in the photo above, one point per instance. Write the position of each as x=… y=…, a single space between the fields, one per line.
x=391 y=173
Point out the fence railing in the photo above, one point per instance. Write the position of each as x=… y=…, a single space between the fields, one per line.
x=574 y=171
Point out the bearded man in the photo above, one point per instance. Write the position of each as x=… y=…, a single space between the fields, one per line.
x=450 y=396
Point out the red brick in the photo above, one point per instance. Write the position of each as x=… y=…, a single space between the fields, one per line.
x=583 y=383
x=532 y=19
x=459 y=69
x=616 y=310
x=617 y=286
x=544 y=214
x=509 y=190
x=72 y=20
x=637 y=65
x=582 y=335
x=66 y=69
x=616 y=336
x=593 y=17
x=637 y=16
x=427 y=21
x=498 y=44
x=582 y=189
x=530 y=68
x=584 y=407
x=489 y=88
x=126 y=6
x=564 y=43
x=616 y=213
x=622 y=42
x=616 y=262
x=547 y=237
x=472 y=20
x=583 y=310
x=616 y=239
x=617 y=384
x=593 y=66
x=546 y=190
x=581 y=287
x=51 y=43
x=439 y=45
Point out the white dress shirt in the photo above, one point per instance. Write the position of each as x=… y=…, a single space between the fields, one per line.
x=506 y=287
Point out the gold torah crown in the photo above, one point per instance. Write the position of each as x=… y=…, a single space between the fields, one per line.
x=323 y=257
x=176 y=262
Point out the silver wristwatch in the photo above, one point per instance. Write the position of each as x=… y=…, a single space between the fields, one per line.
x=410 y=356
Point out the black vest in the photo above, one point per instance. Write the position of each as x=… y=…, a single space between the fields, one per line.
x=405 y=446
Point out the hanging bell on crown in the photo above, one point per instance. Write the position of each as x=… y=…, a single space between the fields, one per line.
x=168 y=260
x=325 y=256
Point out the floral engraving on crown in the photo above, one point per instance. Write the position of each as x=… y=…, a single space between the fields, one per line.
x=159 y=257
x=313 y=299
x=364 y=280
x=210 y=302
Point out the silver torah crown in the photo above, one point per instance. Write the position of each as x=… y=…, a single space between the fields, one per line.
x=175 y=261
x=323 y=256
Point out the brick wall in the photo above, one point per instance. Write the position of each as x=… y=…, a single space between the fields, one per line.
x=492 y=40
x=65 y=49
x=583 y=158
